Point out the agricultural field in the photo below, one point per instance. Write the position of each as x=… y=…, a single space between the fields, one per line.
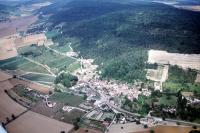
x=181 y=79
x=51 y=34
x=44 y=124
x=31 y=85
x=38 y=39
x=46 y=57
x=19 y=63
x=7 y=105
x=155 y=74
x=97 y=125
x=183 y=60
x=61 y=48
x=198 y=78
x=74 y=66
x=22 y=23
x=39 y=77
x=69 y=117
x=7 y=48
x=4 y=76
x=66 y=98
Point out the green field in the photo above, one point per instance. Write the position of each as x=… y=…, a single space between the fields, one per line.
x=51 y=34
x=181 y=79
x=167 y=100
x=67 y=98
x=61 y=48
x=46 y=57
x=74 y=66
x=39 y=77
x=18 y=63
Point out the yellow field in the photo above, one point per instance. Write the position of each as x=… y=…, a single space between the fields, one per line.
x=31 y=122
x=183 y=60
x=38 y=39
x=197 y=78
x=7 y=48
x=7 y=105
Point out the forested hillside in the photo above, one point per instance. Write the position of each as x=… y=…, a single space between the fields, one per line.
x=119 y=35
x=4 y=12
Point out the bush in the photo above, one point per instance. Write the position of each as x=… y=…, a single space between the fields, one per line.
x=66 y=79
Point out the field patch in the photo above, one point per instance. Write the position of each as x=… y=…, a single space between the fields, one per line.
x=19 y=63
x=198 y=78
x=7 y=48
x=7 y=105
x=46 y=57
x=22 y=23
x=4 y=76
x=38 y=39
x=61 y=48
x=67 y=98
x=39 y=77
x=181 y=79
x=183 y=60
x=37 y=123
x=34 y=86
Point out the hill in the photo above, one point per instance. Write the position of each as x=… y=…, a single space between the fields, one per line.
x=118 y=35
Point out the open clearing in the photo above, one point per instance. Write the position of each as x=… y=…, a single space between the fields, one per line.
x=66 y=98
x=18 y=63
x=160 y=74
x=34 y=86
x=7 y=48
x=183 y=60
x=22 y=23
x=39 y=77
x=195 y=8
x=4 y=76
x=133 y=128
x=37 y=123
x=197 y=78
x=38 y=39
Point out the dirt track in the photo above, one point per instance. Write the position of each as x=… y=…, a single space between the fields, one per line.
x=31 y=122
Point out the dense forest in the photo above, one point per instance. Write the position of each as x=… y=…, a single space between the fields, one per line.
x=118 y=35
x=4 y=12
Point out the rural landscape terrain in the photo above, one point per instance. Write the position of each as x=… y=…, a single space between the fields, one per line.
x=99 y=66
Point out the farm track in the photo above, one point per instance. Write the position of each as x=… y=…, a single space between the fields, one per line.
x=45 y=74
x=44 y=66
x=60 y=53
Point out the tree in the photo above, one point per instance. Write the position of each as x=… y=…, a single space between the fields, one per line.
x=7 y=119
x=138 y=122
x=152 y=131
x=194 y=127
x=76 y=126
x=66 y=79
x=85 y=97
x=194 y=131
x=145 y=126
x=50 y=92
x=13 y=116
